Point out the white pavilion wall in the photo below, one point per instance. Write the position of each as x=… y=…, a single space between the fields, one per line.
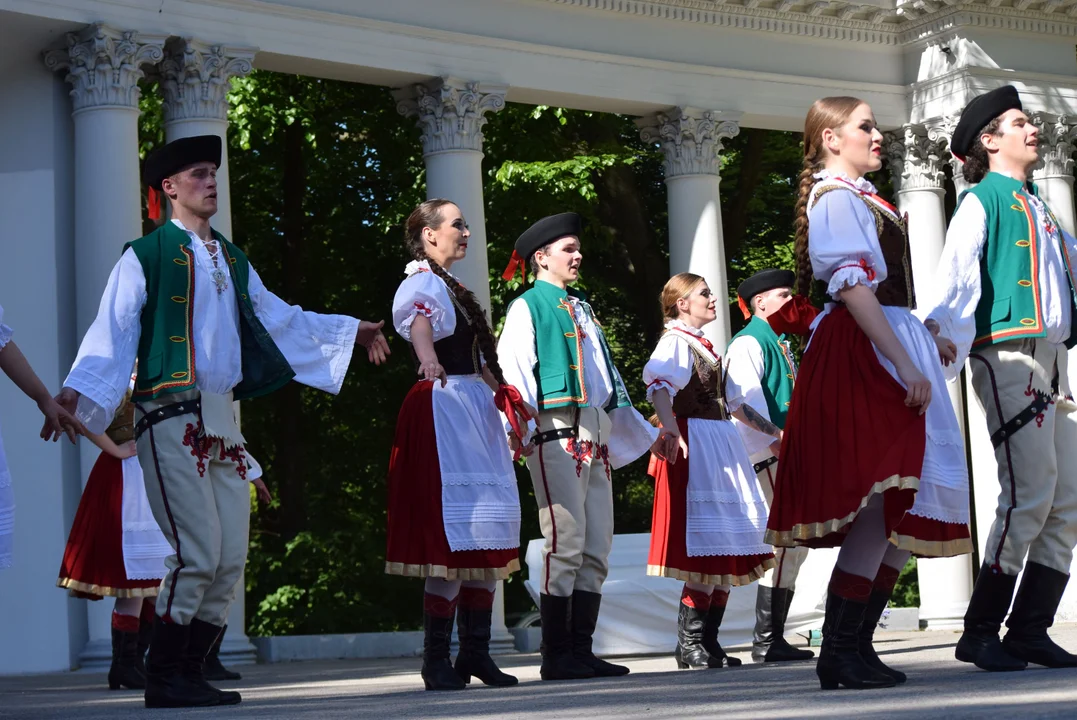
x=41 y=629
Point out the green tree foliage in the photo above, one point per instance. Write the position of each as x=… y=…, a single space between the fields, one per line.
x=323 y=174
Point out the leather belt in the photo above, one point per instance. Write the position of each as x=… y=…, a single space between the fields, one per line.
x=164 y=413
x=558 y=434
x=764 y=464
x=1020 y=420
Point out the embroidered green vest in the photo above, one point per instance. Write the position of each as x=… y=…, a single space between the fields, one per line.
x=779 y=369
x=165 y=347
x=559 y=372
x=1009 y=306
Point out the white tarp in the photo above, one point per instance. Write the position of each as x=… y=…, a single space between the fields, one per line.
x=639 y=612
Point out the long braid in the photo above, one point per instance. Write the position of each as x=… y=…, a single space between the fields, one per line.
x=800 y=223
x=428 y=214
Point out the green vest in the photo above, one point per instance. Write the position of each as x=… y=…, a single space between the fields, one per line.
x=779 y=369
x=559 y=373
x=1009 y=307
x=165 y=347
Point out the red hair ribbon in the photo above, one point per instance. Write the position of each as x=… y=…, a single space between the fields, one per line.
x=795 y=317
x=515 y=263
x=509 y=401
x=863 y=265
x=153 y=204
x=743 y=307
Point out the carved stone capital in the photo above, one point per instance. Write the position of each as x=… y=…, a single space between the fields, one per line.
x=690 y=138
x=195 y=78
x=915 y=155
x=451 y=112
x=104 y=64
x=1056 y=145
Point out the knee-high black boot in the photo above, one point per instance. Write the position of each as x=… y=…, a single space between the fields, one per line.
x=839 y=657
x=473 y=629
x=167 y=686
x=769 y=643
x=215 y=670
x=872 y=613
x=980 y=644
x=1033 y=612
x=710 y=638
x=690 y=652
x=124 y=669
x=438 y=672
x=203 y=636
x=585 y=607
x=558 y=662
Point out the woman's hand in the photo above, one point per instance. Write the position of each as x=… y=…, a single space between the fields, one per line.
x=432 y=370
x=262 y=491
x=776 y=446
x=947 y=350
x=128 y=449
x=670 y=444
x=514 y=445
x=919 y=387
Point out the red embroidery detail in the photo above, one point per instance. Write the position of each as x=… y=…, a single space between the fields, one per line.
x=695 y=598
x=886 y=579
x=236 y=456
x=580 y=450
x=438 y=606
x=476 y=598
x=124 y=623
x=1030 y=392
x=421 y=307
x=192 y=438
x=863 y=265
x=849 y=586
x=719 y=598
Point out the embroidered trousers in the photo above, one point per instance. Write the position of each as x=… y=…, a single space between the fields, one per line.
x=788 y=560
x=200 y=497
x=1037 y=461
x=575 y=501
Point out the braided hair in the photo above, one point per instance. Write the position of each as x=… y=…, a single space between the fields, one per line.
x=428 y=215
x=828 y=112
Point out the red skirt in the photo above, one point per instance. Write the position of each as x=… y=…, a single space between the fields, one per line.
x=416 y=545
x=928 y=538
x=93 y=559
x=848 y=436
x=668 y=556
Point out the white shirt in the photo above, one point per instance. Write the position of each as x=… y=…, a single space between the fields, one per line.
x=318 y=347
x=745 y=368
x=957 y=285
x=423 y=293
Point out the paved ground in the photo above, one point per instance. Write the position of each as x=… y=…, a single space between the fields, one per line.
x=938 y=687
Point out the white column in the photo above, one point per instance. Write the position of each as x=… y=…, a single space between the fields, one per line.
x=691 y=141
x=451 y=114
x=195 y=81
x=916 y=156
x=103 y=66
x=1054 y=173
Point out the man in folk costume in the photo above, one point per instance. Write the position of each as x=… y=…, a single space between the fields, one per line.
x=206 y=332
x=554 y=351
x=760 y=372
x=1007 y=285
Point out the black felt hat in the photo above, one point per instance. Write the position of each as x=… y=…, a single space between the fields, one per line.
x=761 y=282
x=542 y=233
x=981 y=110
x=168 y=160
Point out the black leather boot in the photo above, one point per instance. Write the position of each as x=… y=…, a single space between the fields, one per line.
x=872 y=613
x=124 y=670
x=203 y=636
x=166 y=684
x=839 y=657
x=438 y=672
x=780 y=650
x=763 y=634
x=558 y=662
x=690 y=652
x=584 y=619
x=145 y=632
x=214 y=670
x=980 y=644
x=1033 y=612
x=473 y=629
x=710 y=639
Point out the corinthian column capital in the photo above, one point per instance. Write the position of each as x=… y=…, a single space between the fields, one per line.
x=690 y=138
x=451 y=112
x=104 y=64
x=915 y=153
x=1056 y=145
x=195 y=78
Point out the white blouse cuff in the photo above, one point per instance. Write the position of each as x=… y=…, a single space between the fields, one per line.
x=5 y=334
x=660 y=384
x=433 y=313
x=850 y=275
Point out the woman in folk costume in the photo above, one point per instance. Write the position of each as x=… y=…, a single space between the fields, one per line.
x=871 y=434
x=454 y=510
x=57 y=422
x=709 y=514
